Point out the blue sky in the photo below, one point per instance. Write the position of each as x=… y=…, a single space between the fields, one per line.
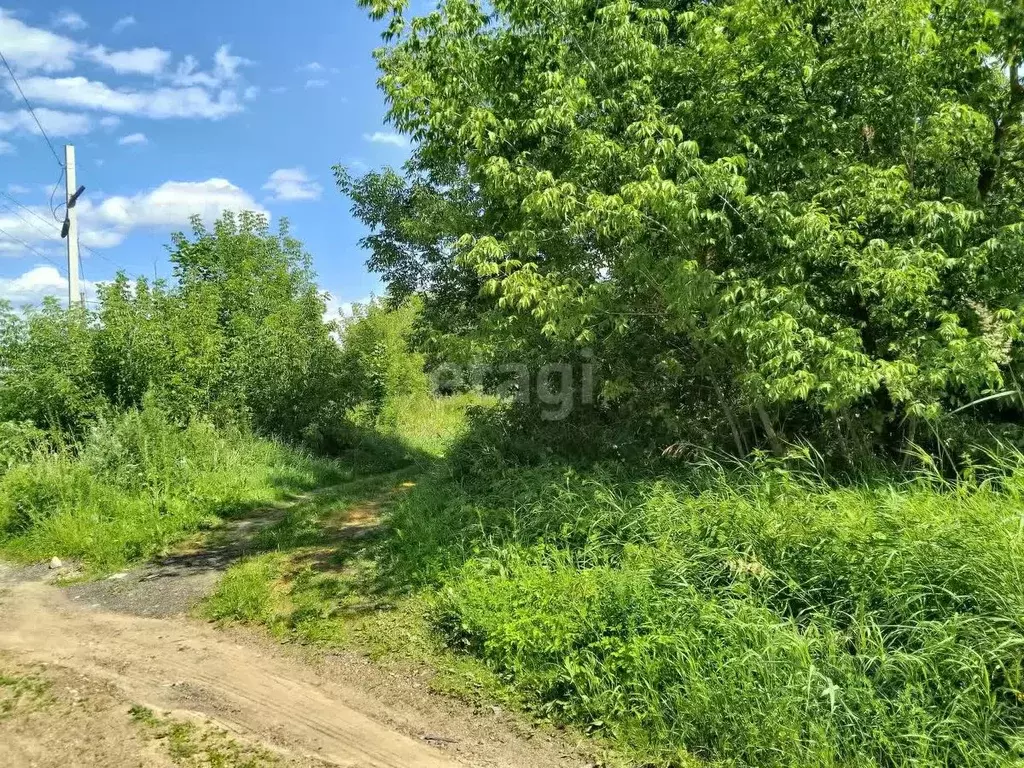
x=186 y=107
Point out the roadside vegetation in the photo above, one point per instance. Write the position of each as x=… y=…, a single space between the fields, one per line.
x=690 y=417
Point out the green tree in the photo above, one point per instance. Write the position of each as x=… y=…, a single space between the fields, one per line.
x=279 y=361
x=46 y=368
x=805 y=212
x=378 y=361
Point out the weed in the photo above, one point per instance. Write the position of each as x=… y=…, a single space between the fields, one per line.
x=140 y=483
x=192 y=745
x=20 y=693
x=752 y=618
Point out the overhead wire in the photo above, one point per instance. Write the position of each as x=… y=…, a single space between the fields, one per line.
x=36 y=227
x=31 y=110
x=53 y=208
x=25 y=208
x=34 y=250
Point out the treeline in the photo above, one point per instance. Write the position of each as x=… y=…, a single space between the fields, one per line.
x=238 y=337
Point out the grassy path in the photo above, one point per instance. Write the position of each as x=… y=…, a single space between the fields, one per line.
x=150 y=670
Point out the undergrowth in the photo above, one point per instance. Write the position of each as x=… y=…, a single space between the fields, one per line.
x=744 y=617
x=138 y=483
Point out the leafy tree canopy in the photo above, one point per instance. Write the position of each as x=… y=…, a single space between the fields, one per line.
x=812 y=206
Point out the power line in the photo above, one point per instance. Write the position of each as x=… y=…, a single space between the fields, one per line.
x=53 y=208
x=34 y=250
x=48 y=223
x=31 y=110
x=36 y=227
x=29 y=210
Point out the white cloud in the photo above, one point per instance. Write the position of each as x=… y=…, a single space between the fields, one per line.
x=69 y=20
x=172 y=204
x=55 y=122
x=159 y=104
x=18 y=189
x=225 y=70
x=292 y=184
x=6 y=148
x=107 y=222
x=336 y=310
x=137 y=61
x=278 y=89
x=133 y=138
x=316 y=83
x=44 y=280
x=31 y=287
x=122 y=24
x=251 y=93
x=30 y=48
x=313 y=66
x=186 y=91
x=110 y=121
x=382 y=137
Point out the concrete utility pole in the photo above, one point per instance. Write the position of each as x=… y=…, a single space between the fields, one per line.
x=70 y=229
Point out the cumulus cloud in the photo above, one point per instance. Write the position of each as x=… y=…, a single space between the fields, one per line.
x=44 y=280
x=225 y=70
x=133 y=138
x=292 y=184
x=316 y=83
x=122 y=24
x=137 y=61
x=69 y=20
x=55 y=122
x=159 y=103
x=106 y=223
x=23 y=231
x=186 y=91
x=335 y=309
x=172 y=204
x=383 y=137
x=30 y=48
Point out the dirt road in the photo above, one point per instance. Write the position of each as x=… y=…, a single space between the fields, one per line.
x=242 y=684
x=181 y=665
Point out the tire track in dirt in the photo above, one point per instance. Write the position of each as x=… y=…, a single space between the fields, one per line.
x=184 y=665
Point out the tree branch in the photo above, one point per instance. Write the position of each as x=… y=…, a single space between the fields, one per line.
x=987 y=176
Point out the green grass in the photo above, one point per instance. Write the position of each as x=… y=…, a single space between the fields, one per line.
x=191 y=745
x=317 y=584
x=742 y=618
x=139 y=484
x=751 y=616
x=21 y=693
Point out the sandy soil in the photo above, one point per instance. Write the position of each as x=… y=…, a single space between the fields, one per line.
x=339 y=710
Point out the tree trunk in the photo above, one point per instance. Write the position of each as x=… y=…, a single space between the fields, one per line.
x=773 y=438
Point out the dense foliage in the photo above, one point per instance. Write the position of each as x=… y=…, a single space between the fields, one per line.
x=751 y=617
x=771 y=220
x=238 y=337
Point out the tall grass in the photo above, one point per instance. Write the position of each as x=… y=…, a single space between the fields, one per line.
x=755 y=618
x=138 y=483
